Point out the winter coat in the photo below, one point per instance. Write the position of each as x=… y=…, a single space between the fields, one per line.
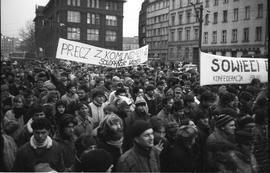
x=220 y=152
x=178 y=158
x=9 y=152
x=27 y=157
x=138 y=159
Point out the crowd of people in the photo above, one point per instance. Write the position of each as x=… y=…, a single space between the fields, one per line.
x=73 y=117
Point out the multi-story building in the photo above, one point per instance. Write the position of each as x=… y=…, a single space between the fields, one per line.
x=95 y=22
x=235 y=28
x=8 y=45
x=142 y=24
x=183 y=44
x=130 y=43
x=157 y=29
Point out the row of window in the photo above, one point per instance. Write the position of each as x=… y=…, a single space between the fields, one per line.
x=157 y=32
x=177 y=35
x=92 y=34
x=180 y=17
x=258 y=36
x=95 y=4
x=175 y=4
x=158 y=6
x=235 y=14
x=157 y=19
x=92 y=18
x=157 y=44
x=216 y=2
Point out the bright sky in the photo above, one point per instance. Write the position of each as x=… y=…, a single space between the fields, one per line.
x=16 y=13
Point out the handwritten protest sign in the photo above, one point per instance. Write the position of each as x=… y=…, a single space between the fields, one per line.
x=85 y=53
x=216 y=70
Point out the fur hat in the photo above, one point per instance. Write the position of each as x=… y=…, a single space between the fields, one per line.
x=138 y=127
x=222 y=120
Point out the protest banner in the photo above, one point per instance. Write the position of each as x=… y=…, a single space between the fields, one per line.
x=85 y=53
x=215 y=70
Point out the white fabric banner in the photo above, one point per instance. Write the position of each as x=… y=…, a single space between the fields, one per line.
x=85 y=53
x=215 y=70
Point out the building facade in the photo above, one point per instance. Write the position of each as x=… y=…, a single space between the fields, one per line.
x=95 y=22
x=183 y=44
x=130 y=43
x=9 y=45
x=235 y=28
x=157 y=29
x=142 y=24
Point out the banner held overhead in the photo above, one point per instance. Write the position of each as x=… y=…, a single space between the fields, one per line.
x=85 y=53
x=217 y=70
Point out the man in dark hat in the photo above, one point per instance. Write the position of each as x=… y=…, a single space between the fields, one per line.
x=143 y=156
x=221 y=145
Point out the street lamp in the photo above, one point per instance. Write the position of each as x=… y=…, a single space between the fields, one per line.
x=200 y=19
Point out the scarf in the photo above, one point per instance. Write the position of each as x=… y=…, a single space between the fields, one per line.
x=117 y=144
x=46 y=144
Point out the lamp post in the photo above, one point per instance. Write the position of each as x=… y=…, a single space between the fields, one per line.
x=200 y=19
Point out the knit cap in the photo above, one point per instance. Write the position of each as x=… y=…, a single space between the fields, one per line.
x=98 y=160
x=138 y=127
x=222 y=120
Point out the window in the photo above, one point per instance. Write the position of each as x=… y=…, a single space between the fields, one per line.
x=215 y=2
x=73 y=33
x=180 y=32
x=205 y=37
x=93 y=3
x=214 y=34
x=225 y=1
x=215 y=18
x=74 y=16
x=225 y=15
x=206 y=3
x=74 y=2
x=206 y=19
x=196 y=34
x=110 y=36
x=188 y=34
x=258 y=33
x=186 y=54
x=260 y=10
x=172 y=35
x=246 y=35
x=173 y=4
x=188 y=2
x=235 y=14
x=111 y=20
x=93 y=34
x=180 y=18
x=247 y=12
x=188 y=16
x=173 y=19
x=197 y=16
x=111 y=5
x=234 y=35
x=93 y=19
x=224 y=36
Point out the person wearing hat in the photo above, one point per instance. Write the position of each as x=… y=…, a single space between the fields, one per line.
x=221 y=145
x=225 y=105
x=189 y=105
x=110 y=136
x=181 y=155
x=139 y=114
x=71 y=95
x=66 y=138
x=150 y=99
x=143 y=156
x=96 y=106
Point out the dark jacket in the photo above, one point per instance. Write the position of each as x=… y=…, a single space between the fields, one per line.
x=138 y=159
x=178 y=158
x=27 y=157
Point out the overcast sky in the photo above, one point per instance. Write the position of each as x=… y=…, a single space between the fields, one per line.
x=16 y=13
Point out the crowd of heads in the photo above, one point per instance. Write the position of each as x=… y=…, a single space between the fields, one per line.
x=95 y=108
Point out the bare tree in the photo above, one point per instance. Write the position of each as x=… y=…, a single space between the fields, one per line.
x=27 y=35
